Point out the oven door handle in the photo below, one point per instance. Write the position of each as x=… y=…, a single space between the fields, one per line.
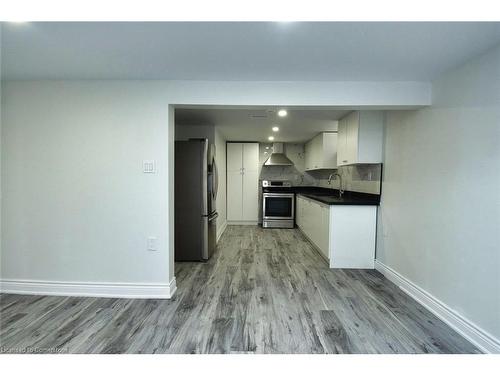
x=278 y=195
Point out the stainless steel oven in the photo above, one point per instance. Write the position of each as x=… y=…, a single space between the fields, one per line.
x=278 y=204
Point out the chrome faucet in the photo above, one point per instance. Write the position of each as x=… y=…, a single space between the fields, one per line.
x=333 y=175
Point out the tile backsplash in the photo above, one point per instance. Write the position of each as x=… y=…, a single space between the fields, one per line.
x=294 y=173
x=364 y=178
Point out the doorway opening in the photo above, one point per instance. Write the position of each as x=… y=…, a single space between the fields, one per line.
x=223 y=156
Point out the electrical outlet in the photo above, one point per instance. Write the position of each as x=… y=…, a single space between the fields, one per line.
x=152 y=244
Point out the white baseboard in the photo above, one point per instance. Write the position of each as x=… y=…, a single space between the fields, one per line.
x=485 y=341
x=242 y=222
x=316 y=248
x=87 y=289
x=221 y=230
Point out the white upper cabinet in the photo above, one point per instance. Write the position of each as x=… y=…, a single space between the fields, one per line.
x=321 y=152
x=242 y=182
x=360 y=137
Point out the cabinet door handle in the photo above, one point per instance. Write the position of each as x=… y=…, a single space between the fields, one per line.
x=344 y=161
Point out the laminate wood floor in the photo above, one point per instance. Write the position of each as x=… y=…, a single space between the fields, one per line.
x=264 y=291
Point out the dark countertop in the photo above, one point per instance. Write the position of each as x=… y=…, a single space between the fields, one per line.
x=331 y=196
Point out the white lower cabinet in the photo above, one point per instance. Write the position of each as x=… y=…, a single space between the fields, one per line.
x=312 y=219
x=344 y=234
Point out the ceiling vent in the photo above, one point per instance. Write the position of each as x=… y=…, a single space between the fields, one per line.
x=258 y=115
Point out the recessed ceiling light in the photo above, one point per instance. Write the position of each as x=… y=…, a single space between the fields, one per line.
x=282 y=113
x=271 y=138
x=267 y=148
x=275 y=128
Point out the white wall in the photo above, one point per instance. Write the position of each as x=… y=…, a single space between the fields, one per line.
x=440 y=215
x=348 y=94
x=77 y=207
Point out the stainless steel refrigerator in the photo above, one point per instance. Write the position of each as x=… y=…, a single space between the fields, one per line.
x=196 y=184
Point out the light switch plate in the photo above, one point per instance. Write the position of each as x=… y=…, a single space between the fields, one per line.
x=149 y=166
x=152 y=244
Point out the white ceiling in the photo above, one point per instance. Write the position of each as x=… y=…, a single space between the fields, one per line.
x=255 y=123
x=241 y=51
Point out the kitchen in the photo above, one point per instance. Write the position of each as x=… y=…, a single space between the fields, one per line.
x=325 y=180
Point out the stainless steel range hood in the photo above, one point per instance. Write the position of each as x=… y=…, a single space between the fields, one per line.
x=278 y=156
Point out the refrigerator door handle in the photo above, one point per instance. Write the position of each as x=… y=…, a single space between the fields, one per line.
x=205 y=239
x=209 y=235
x=204 y=177
x=215 y=179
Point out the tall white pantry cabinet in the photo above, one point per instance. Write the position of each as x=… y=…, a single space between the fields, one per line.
x=242 y=183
